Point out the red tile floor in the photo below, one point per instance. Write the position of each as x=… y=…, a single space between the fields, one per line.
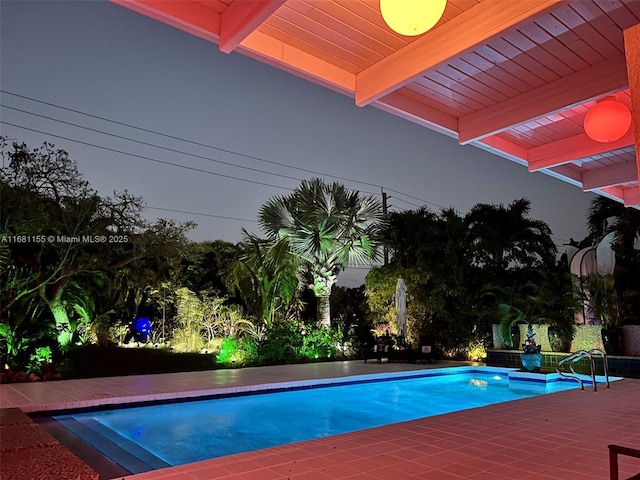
x=562 y=436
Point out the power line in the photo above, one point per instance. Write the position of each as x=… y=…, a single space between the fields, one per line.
x=415 y=198
x=200 y=214
x=143 y=157
x=252 y=157
x=219 y=148
x=151 y=144
x=165 y=148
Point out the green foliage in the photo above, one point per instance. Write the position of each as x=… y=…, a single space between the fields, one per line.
x=188 y=336
x=319 y=343
x=40 y=357
x=603 y=299
x=540 y=301
x=606 y=216
x=203 y=320
x=282 y=342
x=24 y=328
x=228 y=351
x=207 y=266
x=326 y=227
x=505 y=238
x=451 y=265
x=266 y=277
x=12 y=343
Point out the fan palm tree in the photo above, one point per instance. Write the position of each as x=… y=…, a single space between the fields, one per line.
x=327 y=227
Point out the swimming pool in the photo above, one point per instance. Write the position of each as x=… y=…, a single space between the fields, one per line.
x=158 y=436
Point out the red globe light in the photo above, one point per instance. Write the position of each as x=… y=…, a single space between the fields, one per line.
x=607 y=121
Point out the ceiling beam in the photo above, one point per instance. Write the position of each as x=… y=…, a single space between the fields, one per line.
x=420 y=113
x=632 y=52
x=276 y=53
x=609 y=176
x=572 y=148
x=567 y=173
x=503 y=147
x=240 y=19
x=188 y=16
x=461 y=34
x=599 y=80
x=632 y=197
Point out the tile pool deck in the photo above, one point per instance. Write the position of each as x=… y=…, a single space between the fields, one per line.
x=562 y=436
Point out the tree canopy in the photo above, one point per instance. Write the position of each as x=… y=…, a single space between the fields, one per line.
x=327 y=228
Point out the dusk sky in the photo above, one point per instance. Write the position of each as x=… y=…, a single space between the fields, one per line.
x=270 y=129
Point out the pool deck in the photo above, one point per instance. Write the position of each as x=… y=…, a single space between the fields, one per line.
x=562 y=436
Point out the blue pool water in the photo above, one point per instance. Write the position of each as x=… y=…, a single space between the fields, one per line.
x=178 y=433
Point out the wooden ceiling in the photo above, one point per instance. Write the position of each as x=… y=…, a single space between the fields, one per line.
x=514 y=77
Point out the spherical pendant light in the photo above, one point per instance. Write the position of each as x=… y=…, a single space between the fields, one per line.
x=412 y=17
x=607 y=121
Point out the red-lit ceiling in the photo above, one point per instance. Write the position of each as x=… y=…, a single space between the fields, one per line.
x=512 y=77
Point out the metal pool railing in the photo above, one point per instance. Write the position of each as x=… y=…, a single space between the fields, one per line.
x=579 y=355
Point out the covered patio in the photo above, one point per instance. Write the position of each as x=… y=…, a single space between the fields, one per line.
x=516 y=78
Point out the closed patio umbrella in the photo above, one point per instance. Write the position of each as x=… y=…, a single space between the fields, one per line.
x=401 y=306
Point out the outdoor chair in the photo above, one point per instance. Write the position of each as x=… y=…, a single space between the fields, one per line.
x=614 y=451
x=426 y=350
x=403 y=350
x=378 y=348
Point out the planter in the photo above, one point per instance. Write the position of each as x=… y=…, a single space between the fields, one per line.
x=612 y=340
x=498 y=340
x=586 y=338
x=631 y=340
x=556 y=340
x=531 y=362
x=541 y=338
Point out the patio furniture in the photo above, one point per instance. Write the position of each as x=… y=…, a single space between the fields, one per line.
x=426 y=350
x=614 y=451
x=379 y=347
x=402 y=351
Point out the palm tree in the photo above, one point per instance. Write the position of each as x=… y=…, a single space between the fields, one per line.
x=266 y=277
x=327 y=227
x=606 y=216
x=506 y=237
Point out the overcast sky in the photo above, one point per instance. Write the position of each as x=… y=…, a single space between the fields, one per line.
x=97 y=58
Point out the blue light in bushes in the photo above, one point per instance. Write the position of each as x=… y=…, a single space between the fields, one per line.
x=143 y=327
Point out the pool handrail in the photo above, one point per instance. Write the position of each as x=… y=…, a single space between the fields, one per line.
x=579 y=355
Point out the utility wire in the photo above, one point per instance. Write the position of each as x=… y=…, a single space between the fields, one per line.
x=152 y=145
x=200 y=214
x=218 y=148
x=167 y=148
x=209 y=159
x=164 y=162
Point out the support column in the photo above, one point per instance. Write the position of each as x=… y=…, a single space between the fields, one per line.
x=632 y=54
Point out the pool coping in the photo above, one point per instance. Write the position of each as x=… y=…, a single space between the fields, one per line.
x=126 y=456
x=275 y=387
x=488 y=443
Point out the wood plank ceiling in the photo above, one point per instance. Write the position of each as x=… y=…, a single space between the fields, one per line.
x=512 y=77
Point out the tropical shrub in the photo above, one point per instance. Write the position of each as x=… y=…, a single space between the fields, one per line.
x=319 y=342
x=187 y=337
x=41 y=356
x=282 y=342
